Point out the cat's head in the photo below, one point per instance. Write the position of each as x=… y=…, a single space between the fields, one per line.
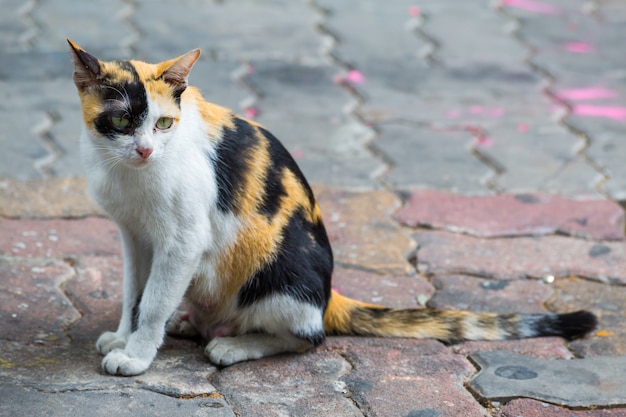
x=130 y=108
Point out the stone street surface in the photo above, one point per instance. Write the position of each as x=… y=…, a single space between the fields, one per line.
x=466 y=155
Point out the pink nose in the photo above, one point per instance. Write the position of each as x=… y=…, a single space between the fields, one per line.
x=144 y=152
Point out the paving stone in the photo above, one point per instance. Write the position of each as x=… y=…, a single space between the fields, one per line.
x=538 y=347
x=387 y=290
x=15 y=28
x=119 y=402
x=603 y=300
x=49 y=198
x=304 y=109
x=97 y=292
x=23 y=151
x=381 y=378
x=425 y=157
x=462 y=292
x=484 y=38
x=65 y=133
x=177 y=372
x=26 y=286
x=445 y=253
x=540 y=157
x=531 y=408
x=103 y=34
x=606 y=148
x=244 y=30
x=294 y=385
x=69 y=238
x=514 y=215
x=574 y=383
x=362 y=232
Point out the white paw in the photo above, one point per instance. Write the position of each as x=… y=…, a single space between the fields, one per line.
x=118 y=362
x=109 y=341
x=226 y=351
x=176 y=326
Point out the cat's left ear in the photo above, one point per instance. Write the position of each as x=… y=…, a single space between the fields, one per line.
x=176 y=71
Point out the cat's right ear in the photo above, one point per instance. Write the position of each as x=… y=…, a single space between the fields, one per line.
x=86 y=67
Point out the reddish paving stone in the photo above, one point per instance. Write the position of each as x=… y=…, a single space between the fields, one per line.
x=362 y=230
x=392 y=380
x=532 y=408
x=462 y=292
x=607 y=302
x=511 y=258
x=514 y=215
x=539 y=347
x=69 y=238
x=97 y=293
x=387 y=290
x=288 y=385
x=32 y=306
x=411 y=347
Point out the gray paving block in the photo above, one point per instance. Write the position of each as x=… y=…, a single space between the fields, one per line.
x=21 y=401
x=608 y=150
x=540 y=157
x=16 y=28
x=101 y=30
x=23 y=151
x=588 y=382
x=484 y=38
x=428 y=158
x=35 y=66
x=230 y=30
x=302 y=106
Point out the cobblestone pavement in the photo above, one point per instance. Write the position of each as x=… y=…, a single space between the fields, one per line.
x=466 y=155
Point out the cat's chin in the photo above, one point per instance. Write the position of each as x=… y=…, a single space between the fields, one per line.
x=138 y=163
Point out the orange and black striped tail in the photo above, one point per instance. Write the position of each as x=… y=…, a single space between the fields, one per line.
x=345 y=316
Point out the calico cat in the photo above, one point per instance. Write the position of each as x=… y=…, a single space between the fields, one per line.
x=221 y=233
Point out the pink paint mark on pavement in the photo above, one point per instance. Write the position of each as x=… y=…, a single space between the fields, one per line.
x=453 y=114
x=578 y=47
x=353 y=77
x=615 y=113
x=531 y=6
x=522 y=127
x=297 y=154
x=251 y=112
x=591 y=93
x=414 y=11
x=483 y=141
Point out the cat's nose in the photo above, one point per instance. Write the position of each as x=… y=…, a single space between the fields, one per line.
x=144 y=152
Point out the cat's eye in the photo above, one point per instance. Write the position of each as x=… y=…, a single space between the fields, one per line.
x=164 y=123
x=119 y=122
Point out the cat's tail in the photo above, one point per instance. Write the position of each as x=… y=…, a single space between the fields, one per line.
x=345 y=316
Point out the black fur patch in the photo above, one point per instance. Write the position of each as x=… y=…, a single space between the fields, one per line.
x=281 y=159
x=301 y=269
x=569 y=326
x=132 y=93
x=315 y=339
x=233 y=155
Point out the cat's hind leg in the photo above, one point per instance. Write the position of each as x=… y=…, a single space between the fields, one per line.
x=282 y=325
x=226 y=351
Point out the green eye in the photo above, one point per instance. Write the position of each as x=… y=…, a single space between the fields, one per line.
x=119 y=122
x=164 y=123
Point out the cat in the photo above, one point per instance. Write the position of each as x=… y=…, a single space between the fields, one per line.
x=221 y=234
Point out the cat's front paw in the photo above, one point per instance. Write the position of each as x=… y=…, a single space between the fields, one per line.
x=118 y=362
x=109 y=341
